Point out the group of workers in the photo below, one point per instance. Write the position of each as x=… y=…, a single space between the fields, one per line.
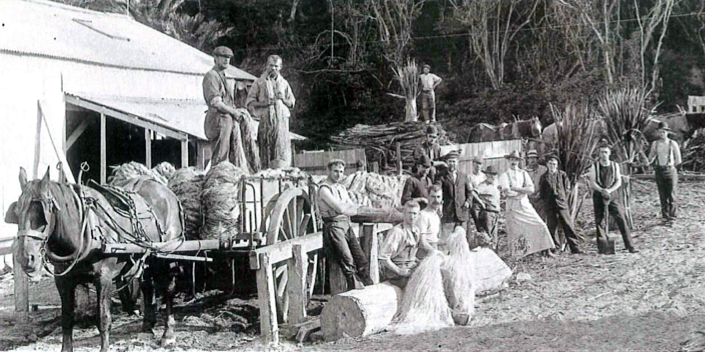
x=440 y=199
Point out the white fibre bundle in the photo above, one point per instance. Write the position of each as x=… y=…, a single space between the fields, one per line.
x=424 y=306
x=458 y=277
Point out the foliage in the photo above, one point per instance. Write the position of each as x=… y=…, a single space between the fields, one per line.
x=626 y=114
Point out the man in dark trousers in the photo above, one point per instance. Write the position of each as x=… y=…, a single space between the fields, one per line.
x=457 y=194
x=416 y=186
x=221 y=107
x=554 y=188
x=339 y=241
x=605 y=179
x=431 y=149
x=665 y=155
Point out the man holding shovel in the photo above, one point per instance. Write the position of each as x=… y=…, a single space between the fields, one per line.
x=605 y=179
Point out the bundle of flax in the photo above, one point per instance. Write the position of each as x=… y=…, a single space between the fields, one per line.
x=375 y=190
x=187 y=184
x=424 y=306
x=380 y=141
x=458 y=275
x=220 y=201
x=161 y=173
x=165 y=170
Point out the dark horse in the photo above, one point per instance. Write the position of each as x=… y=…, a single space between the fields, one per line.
x=66 y=226
x=483 y=132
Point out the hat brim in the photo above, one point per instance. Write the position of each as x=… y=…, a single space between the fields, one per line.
x=513 y=157
x=489 y=173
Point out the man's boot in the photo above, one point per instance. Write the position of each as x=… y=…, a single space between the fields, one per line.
x=364 y=276
x=350 y=280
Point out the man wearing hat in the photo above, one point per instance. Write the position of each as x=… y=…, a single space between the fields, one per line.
x=535 y=170
x=526 y=231
x=221 y=107
x=431 y=149
x=554 y=187
x=270 y=99
x=417 y=185
x=475 y=177
x=487 y=208
x=665 y=156
x=457 y=194
x=605 y=179
x=429 y=82
x=339 y=240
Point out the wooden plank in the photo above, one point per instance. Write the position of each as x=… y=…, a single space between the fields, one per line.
x=148 y=148
x=371 y=248
x=5 y=250
x=298 y=271
x=77 y=132
x=131 y=119
x=281 y=251
x=184 y=153
x=171 y=246
x=267 y=304
x=37 y=144
x=21 y=292
x=399 y=164
x=103 y=151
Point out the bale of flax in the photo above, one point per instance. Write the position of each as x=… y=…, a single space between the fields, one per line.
x=187 y=184
x=128 y=171
x=220 y=201
x=490 y=271
x=458 y=275
x=164 y=170
x=360 y=312
x=424 y=306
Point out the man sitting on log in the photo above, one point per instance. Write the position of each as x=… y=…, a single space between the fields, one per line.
x=339 y=240
x=416 y=186
x=397 y=256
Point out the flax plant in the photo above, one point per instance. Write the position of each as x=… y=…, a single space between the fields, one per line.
x=408 y=78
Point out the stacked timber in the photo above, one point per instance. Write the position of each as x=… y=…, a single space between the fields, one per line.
x=380 y=141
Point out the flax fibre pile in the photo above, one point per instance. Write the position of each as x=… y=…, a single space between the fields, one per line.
x=220 y=201
x=187 y=184
x=424 y=306
x=161 y=173
x=375 y=190
x=458 y=273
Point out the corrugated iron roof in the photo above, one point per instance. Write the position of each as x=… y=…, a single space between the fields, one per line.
x=183 y=115
x=48 y=29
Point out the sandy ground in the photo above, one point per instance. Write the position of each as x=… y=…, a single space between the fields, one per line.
x=651 y=300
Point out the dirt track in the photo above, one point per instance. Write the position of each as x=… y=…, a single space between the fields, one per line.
x=645 y=301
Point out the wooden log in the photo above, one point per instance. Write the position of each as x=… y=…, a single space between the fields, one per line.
x=490 y=271
x=307 y=329
x=370 y=245
x=298 y=270
x=267 y=304
x=374 y=215
x=360 y=312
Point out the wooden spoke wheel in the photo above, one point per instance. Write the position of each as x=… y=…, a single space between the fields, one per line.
x=289 y=215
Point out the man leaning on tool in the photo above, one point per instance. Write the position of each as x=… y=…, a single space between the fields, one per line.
x=339 y=240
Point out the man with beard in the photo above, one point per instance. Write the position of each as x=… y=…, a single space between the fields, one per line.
x=270 y=99
x=554 y=188
x=339 y=240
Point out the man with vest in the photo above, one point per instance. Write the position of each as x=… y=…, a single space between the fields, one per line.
x=339 y=240
x=536 y=170
x=430 y=148
x=554 y=187
x=487 y=209
x=397 y=256
x=475 y=178
x=605 y=179
x=416 y=186
x=457 y=194
x=665 y=156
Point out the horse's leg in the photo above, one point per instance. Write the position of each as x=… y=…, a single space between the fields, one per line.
x=104 y=289
x=168 y=285
x=149 y=320
x=67 y=291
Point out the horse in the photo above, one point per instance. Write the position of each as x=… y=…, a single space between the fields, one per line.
x=549 y=136
x=66 y=225
x=683 y=126
x=483 y=132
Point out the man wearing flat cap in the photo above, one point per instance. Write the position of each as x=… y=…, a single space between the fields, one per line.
x=222 y=116
x=554 y=187
x=270 y=99
x=416 y=186
x=431 y=149
x=339 y=240
x=457 y=194
x=665 y=156
x=428 y=82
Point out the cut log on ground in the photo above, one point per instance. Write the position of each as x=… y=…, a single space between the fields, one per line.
x=490 y=271
x=360 y=312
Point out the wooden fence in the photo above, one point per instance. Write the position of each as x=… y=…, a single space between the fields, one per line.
x=315 y=162
x=493 y=152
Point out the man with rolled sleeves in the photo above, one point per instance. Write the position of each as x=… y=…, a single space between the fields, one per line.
x=221 y=107
x=457 y=195
x=665 y=156
x=429 y=82
x=339 y=240
x=554 y=188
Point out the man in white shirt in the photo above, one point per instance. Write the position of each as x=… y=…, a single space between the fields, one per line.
x=429 y=222
x=397 y=256
x=429 y=82
x=475 y=178
x=665 y=155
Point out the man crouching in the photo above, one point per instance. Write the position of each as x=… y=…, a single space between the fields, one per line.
x=339 y=240
x=397 y=257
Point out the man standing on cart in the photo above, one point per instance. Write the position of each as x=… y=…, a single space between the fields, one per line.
x=339 y=240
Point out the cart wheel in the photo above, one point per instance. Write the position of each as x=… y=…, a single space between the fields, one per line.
x=292 y=215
